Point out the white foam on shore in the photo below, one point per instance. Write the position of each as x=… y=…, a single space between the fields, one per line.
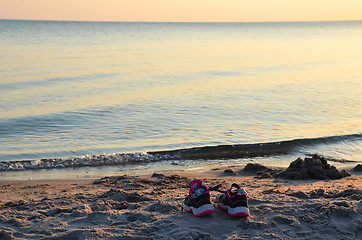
x=83 y=161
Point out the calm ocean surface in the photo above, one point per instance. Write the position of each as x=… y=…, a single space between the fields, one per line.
x=75 y=88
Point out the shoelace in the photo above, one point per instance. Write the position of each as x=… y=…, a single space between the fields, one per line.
x=216 y=188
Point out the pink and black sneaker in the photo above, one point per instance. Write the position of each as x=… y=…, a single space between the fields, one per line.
x=235 y=201
x=198 y=201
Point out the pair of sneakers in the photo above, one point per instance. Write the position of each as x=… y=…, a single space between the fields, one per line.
x=234 y=200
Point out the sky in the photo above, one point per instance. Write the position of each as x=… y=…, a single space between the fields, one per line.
x=182 y=10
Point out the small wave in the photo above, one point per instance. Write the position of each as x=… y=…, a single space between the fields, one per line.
x=254 y=150
x=50 y=81
x=206 y=153
x=87 y=160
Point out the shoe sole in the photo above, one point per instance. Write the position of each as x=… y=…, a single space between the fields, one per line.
x=200 y=211
x=236 y=212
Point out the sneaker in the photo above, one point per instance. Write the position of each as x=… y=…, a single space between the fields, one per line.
x=235 y=201
x=198 y=201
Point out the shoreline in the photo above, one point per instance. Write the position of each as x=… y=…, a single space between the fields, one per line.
x=278 y=152
x=164 y=167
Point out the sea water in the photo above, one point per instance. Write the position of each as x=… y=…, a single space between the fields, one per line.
x=71 y=89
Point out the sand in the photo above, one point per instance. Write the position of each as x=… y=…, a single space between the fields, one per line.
x=149 y=207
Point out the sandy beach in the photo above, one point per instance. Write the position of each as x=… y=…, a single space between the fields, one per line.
x=110 y=109
x=149 y=207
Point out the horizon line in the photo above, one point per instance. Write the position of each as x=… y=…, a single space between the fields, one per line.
x=97 y=21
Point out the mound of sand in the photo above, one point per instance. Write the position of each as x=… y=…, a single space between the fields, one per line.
x=358 y=168
x=315 y=167
x=255 y=167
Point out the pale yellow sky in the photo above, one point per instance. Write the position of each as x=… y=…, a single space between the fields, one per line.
x=182 y=10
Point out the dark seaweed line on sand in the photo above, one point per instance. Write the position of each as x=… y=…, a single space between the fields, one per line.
x=252 y=150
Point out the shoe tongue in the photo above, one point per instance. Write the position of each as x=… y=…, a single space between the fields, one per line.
x=236 y=189
x=198 y=192
x=196 y=184
x=241 y=191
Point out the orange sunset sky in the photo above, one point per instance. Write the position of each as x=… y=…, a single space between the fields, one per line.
x=182 y=10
